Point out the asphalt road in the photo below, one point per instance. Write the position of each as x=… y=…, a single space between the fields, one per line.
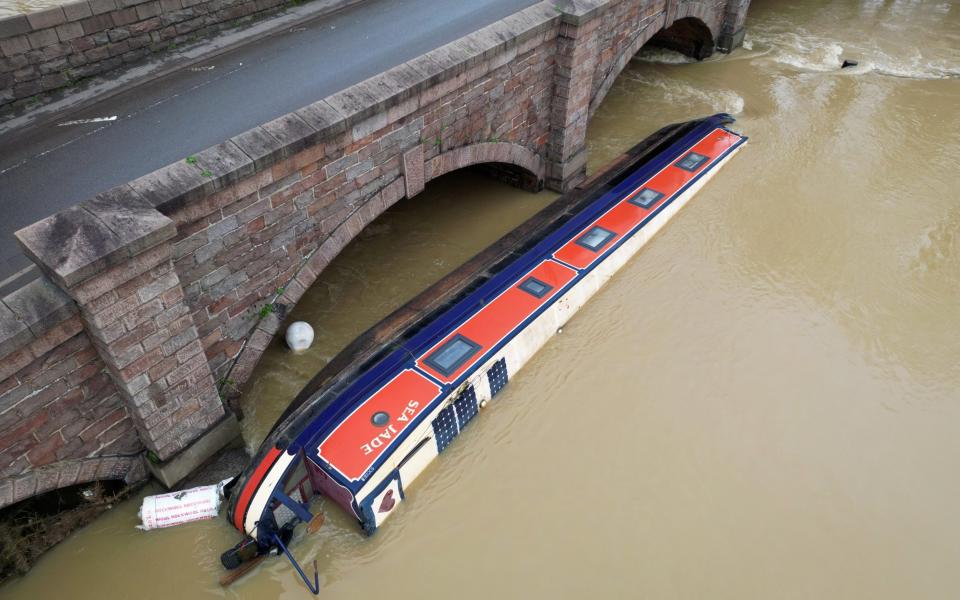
x=51 y=167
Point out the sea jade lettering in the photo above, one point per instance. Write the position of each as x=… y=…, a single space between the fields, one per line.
x=390 y=431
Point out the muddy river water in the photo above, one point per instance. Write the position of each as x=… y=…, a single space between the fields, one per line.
x=764 y=403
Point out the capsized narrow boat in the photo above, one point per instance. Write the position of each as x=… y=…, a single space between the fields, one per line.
x=363 y=430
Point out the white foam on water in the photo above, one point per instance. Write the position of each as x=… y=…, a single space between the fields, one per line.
x=663 y=56
x=916 y=71
x=811 y=53
x=676 y=91
x=937 y=245
x=817 y=59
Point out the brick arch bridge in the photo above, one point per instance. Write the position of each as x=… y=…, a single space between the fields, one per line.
x=165 y=286
x=693 y=32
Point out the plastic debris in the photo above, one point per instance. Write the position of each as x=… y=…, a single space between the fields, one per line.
x=183 y=506
x=299 y=336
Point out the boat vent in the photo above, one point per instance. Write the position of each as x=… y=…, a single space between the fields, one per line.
x=497 y=376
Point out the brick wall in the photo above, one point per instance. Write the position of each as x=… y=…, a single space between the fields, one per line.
x=62 y=420
x=177 y=279
x=58 y=47
x=280 y=227
x=627 y=26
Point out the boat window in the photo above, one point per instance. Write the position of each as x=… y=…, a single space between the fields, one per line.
x=449 y=357
x=691 y=162
x=646 y=198
x=380 y=418
x=595 y=239
x=535 y=287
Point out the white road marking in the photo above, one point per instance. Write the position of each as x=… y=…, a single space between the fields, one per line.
x=85 y=121
x=129 y=116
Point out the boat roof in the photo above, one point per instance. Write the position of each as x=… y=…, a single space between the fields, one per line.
x=356 y=433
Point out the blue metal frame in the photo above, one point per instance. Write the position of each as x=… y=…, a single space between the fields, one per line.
x=313 y=586
x=298 y=509
x=404 y=357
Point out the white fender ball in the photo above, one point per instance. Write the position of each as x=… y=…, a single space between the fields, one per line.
x=299 y=336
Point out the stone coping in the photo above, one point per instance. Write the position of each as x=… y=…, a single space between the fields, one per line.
x=69 y=54
x=69 y=12
x=74 y=244
x=30 y=311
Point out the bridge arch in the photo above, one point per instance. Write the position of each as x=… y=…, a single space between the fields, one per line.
x=689 y=35
x=528 y=168
x=511 y=162
x=66 y=473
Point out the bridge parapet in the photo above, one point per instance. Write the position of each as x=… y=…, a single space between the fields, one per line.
x=62 y=421
x=178 y=279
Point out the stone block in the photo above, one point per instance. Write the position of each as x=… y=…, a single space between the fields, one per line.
x=486 y=43
x=358 y=169
x=135 y=222
x=40 y=304
x=118 y=34
x=53 y=81
x=74 y=11
x=69 y=31
x=43 y=19
x=6 y=493
x=429 y=69
x=96 y=24
x=14 y=333
x=30 y=72
x=225 y=164
x=578 y=12
x=173 y=186
x=153 y=289
x=24 y=486
x=354 y=103
x=124 y=17
x=292 y=132
x=70 y=245
x=14 y=45
x=53 y=66
x=324 y=119
x=99 y=7
x=340 y=165
x=14 y=25
x=370 y=125
x=260 y=146
x=147 y=10
x=407 y=80
x=56 y=51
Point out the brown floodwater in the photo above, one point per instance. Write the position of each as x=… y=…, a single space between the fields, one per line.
x=764 y=403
